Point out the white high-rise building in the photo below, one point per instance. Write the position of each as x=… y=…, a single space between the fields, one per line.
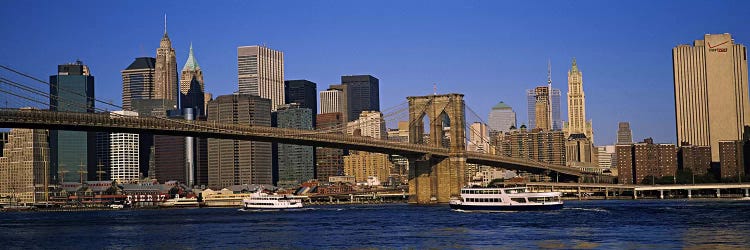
x=123 y=153
x=330 y=101
x=479 y=138
x=261 y=73
x=502 y=117
x=370 y=124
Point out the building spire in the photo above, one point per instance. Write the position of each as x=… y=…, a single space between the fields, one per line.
x=165 y=24
x=574 y=68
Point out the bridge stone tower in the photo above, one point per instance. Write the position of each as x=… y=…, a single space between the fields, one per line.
x=433 y=179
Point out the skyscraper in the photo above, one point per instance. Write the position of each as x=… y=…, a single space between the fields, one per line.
x=165 y=82
x=502 y=117
x=24 y=166
x=302 y=92
x=72 y=152
x=577 y=123
x=124 y=157
x=537 y=99
x=138 y=81
x=236 y=162
x=711 y=91
x=364 y=94
x=296 y=162
x=192 y=92
x=261 y=73
x=624 y=134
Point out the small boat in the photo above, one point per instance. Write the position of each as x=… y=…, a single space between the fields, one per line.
x=116 y=206
x=263 y=201
x=180 y=202
x=505 y=199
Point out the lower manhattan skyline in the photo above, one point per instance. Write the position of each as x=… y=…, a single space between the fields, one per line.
x=626 y=57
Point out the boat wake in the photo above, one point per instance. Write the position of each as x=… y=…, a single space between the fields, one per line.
x=587 y=209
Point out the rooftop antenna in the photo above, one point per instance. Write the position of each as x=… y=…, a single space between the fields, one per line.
x=434 y=89
x=165 y=23
x=549 y=93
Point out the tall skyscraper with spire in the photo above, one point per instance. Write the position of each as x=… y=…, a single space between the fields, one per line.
x=166 y=69
x=577 y=123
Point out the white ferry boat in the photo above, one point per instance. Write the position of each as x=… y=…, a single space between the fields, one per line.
x=505 y=199
x=263 y=201
x=181 y=202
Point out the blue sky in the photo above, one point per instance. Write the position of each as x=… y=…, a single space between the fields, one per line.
x=488 y=50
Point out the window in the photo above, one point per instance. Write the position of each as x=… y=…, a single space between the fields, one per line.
x=519 y=200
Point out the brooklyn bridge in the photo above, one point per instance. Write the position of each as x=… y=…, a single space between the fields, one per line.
x=436 y=172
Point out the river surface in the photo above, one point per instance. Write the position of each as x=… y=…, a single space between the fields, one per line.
x=624 y=224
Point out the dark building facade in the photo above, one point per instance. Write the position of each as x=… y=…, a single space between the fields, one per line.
x=238 y=162
x=732 y=162
x=304 y=93
x=138 y=81
x=364 y=93
x=103 y=156
x=3 y=141
x=329 y=161
x=72 y=153
x=296 y=163
x=146 y=150
x=696 y=159
x=648 y=161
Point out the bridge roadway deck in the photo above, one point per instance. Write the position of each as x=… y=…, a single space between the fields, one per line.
x=44 y=119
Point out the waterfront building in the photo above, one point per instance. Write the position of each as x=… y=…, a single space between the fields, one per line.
x=302 y=92
x=697 y=159
x=364 y=94
x=624 y=134
x=261 y=73
x=296 y=162
x=501 y=118
x=138 y=81
x=732 y=162
x=124 y=158
x=645 y=162
x=237 y=162
x=329 y=162
x=539 y=106
x=73 y=152
x=538 y=145
x=362 y=165
x=711 y=91
x=25 y=174
x=166 y=80
x=370 y=124
x=192 y=90
x=479 y=140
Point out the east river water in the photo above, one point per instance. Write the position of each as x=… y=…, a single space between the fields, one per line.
x=623 y=224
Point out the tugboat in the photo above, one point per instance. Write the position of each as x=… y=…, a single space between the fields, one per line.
x=505 y=199
x=263 y=201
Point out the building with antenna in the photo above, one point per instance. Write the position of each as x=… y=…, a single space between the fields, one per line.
x=165 y=83
x=540 y=107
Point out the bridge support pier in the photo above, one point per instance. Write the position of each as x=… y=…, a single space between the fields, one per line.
x=661 y=193
x=690 y=194
x=718 y=193
x=635 y=194
x=434 y=180
x=747 y=192
x=606 y=193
